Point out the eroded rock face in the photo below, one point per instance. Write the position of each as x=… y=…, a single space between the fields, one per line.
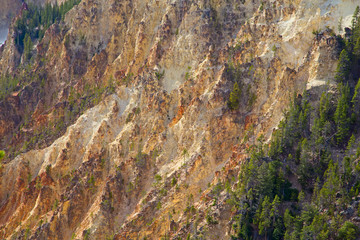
x=130 y=167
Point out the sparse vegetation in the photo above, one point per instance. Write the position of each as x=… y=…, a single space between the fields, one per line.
x=55 y=205
x=157 y=178
x=86 y=234
x=160 y=75
x=130 y=187
x=8 y=84
x=48 y=169
x=2 y=155
x=261 y=8
x=235 y=96
x=38 y=183
x=163 y=192
x=274 y=48
x=210 y=219
x=128 y=78
x=91 y=183
x=158 y=206
x=173 y=181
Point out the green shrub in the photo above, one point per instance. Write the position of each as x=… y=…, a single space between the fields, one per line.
x=173 y=181
x=158 y=178
x=234 y=98
x=348 y=231
x=210 y=219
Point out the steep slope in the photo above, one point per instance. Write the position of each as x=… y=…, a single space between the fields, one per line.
x=10 y=8
x=144 y=161
x=7 y=11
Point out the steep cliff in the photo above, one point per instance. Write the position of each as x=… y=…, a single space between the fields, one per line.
x=119 y=124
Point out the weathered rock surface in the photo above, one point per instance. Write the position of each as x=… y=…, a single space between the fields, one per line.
x=129 y=167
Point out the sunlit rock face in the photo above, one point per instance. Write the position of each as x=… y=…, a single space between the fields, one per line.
x=168 y=116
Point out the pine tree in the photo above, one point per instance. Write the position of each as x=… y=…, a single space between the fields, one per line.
x=348 y=231
x=304 y=118
x=330 y=187
x=265 y=183
x=356 y=50
x=27 y=47
x=289 y=222
x=344 y=67
x=355 y=17
x=324 y=109
x=355 y=101
x=264 y=219
x=234 y=97
x=355 y=25
x=342 y=118
x=274 y=213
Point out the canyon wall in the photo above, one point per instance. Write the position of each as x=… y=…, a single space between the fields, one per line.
x=130 y=165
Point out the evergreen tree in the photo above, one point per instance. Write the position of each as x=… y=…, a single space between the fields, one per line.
x=306 y=169
x=274 y=213
x=234 y=98
x=342 y=116
x=356 y=50
x=265 y=183
x=355 y=101
x=355 y=17
x=348 y=231
x=344 y=67
x=355 y=25
x=330 y=187
x=324 y=109
x=27 y=47
x=264 y=220
x=290 y=226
